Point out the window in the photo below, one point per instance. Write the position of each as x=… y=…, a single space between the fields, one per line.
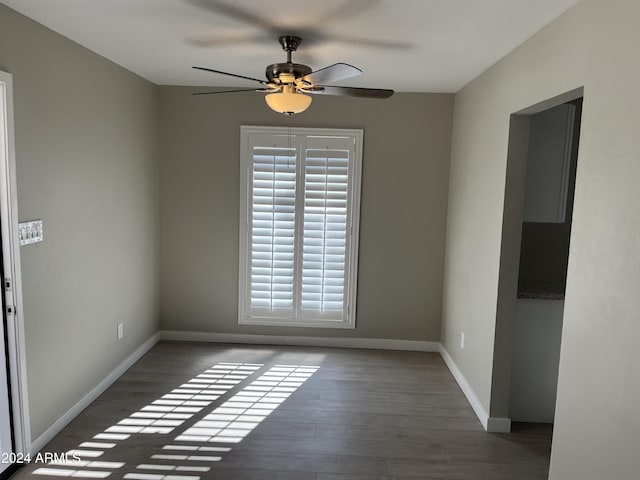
x=299 y=218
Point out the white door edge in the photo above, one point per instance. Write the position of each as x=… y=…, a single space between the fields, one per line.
x=11 y=259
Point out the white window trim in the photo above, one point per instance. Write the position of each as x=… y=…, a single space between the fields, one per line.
x=355 y=180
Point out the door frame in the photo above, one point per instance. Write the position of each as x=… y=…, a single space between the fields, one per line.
x=16 y=352
x=517 y=155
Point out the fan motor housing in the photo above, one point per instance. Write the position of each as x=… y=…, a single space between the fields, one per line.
x=276 y=69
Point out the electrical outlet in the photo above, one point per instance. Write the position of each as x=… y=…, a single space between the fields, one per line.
x=462 y=340
x=120 y=331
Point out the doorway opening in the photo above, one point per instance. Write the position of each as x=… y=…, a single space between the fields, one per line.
x=6 y=423
x=538 y=209
x=554 y=136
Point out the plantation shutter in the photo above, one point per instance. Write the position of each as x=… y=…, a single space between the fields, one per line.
x=324 y=254
x=272 y=226
x=299 y=199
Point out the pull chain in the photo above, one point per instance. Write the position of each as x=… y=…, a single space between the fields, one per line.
x=289 y=139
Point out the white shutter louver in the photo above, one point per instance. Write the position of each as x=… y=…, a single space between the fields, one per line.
x=273 y=228
x=300 y=202
x=326 y=179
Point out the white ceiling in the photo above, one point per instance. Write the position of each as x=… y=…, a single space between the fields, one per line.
x=406 y=45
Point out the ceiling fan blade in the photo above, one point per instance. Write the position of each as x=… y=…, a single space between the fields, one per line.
x=262 y=82
x=351 y=8
x=332 y=73
x=372 y=42
x=212 y=40
x=234 y=91
x=351 y=91
x=238 y=13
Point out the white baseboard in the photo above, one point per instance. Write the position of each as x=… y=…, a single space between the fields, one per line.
x=342 y=342
x=73 y=412
x=490 y=424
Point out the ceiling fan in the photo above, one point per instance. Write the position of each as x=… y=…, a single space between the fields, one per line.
x=288 y=85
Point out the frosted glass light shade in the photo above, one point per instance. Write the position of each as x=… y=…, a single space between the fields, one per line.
x=288 y=102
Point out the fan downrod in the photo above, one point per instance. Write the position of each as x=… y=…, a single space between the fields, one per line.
x=288 y=70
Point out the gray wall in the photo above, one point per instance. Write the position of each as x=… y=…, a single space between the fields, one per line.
x=592 y=45
x=86 y=141
x=403 y=214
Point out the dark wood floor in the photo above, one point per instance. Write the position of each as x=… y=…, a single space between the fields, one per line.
x=190 y=411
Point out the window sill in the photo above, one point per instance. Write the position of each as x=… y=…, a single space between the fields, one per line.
x=272 y=322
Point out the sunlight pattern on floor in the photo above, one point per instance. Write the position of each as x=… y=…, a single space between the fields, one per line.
x=229 y=423
x=161 y=416
x=238 y=416
x=179 y=405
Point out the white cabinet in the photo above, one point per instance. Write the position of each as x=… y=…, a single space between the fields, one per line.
x=536 y=356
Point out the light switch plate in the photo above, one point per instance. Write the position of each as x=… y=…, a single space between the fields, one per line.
x=30 y=232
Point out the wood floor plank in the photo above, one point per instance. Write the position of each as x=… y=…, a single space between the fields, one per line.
x=191 y=411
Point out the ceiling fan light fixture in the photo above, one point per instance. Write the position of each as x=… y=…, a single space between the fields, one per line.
x=288 y=84
x=288 y=102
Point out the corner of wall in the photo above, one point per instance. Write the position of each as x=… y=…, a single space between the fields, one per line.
x=93 y=394
x=490 y=424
